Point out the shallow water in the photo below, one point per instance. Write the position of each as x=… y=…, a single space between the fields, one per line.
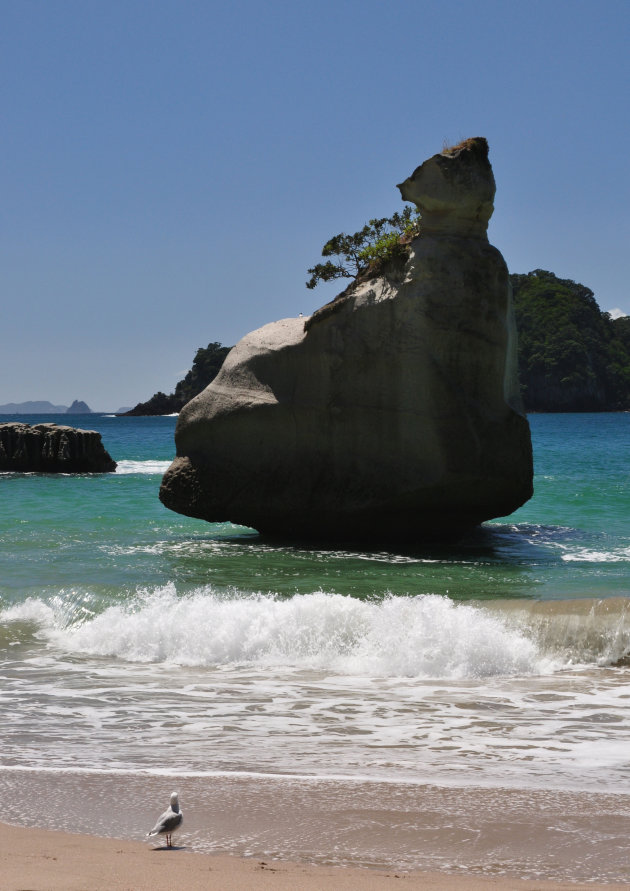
x=565 y=836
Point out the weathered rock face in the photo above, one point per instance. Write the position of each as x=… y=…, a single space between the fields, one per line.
x=52 y=448
x=454 y=191
x=391 y=413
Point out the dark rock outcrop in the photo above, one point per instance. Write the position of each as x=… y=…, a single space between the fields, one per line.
x=52 y=448
x=158 y=404
x=393 y=412
x=206 y=365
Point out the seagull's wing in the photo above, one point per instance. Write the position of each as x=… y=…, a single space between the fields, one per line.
x=168 y=822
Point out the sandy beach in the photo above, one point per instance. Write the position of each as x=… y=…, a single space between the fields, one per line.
x=68 y=831
x=58 y=861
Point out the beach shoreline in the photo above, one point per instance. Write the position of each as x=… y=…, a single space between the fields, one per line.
x=297 y=827
x=60 y=861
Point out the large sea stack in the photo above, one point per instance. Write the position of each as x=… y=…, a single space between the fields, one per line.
x=52 y=448
x=391 y=413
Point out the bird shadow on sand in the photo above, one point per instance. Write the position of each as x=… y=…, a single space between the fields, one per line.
x=172 y=848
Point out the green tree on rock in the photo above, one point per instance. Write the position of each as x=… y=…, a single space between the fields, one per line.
x=377 y=242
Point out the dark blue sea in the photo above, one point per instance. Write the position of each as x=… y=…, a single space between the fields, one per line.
x=141 y=646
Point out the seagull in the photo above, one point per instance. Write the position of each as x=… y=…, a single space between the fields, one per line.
x=170 y=820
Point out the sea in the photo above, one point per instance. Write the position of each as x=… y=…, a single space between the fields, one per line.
x=455 y=707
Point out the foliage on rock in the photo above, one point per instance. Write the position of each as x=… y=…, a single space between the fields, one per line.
x=380 y=241
x=206 y=365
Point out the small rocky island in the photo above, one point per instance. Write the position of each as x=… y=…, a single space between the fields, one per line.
x=52 y=448
x=391 y=413
x=79 y=407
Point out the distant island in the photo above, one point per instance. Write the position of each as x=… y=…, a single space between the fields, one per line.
x=572 y=356
x=79 y=408
x=43 y=407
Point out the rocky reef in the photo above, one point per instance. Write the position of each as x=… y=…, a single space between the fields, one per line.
x=52 y=448
x=391 y=413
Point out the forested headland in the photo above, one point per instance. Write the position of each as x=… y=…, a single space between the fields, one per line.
x=571 y=355
x=205 y=367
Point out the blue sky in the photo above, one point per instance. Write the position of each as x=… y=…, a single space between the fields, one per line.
x=170 y=168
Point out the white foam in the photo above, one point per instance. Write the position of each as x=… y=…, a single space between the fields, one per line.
x=591 y=555
x=320 y=684
x=423 y=636
x=31 y=610
x=143 y=467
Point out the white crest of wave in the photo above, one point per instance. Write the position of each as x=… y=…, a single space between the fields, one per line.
x=422 y=636
x=591 y=555
x=33 y=611
x=142 y=466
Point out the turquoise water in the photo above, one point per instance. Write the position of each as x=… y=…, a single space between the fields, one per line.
x=134 y=640
x=110 y=534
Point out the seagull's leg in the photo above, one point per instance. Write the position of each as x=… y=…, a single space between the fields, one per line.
x=169 y=843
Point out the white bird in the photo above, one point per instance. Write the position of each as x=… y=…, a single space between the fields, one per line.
x=170 y=820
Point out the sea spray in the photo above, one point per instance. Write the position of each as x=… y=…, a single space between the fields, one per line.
x=425 y=636
x=157 y=467
x=421 y=636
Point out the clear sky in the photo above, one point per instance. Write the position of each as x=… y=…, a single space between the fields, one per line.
x=170 y=168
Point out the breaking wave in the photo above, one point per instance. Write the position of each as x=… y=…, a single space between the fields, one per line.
x=426 y=636
x=143 y=467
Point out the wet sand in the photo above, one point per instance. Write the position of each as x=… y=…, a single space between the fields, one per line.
x=286 y=832
x=57 y=861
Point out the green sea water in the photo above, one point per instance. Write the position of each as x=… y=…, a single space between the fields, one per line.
x=109 y=534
